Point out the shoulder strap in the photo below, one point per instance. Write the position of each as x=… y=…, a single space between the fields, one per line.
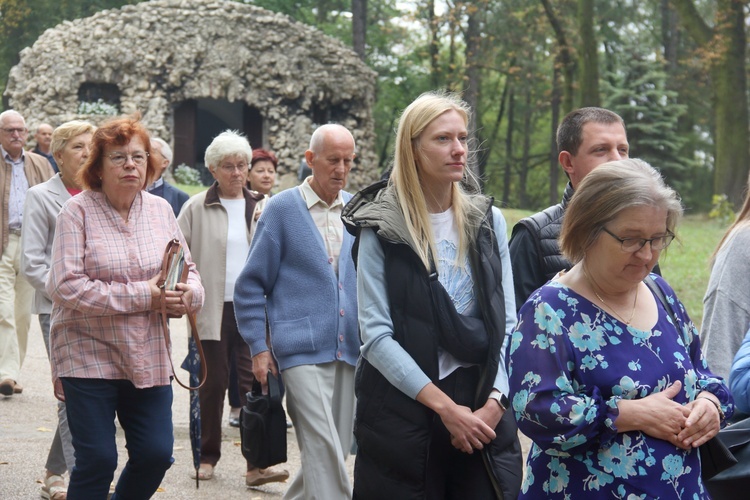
x=649 y=281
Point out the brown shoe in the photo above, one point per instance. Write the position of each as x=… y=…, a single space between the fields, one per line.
x=256 y=477
x=7 y=387
x=18 y=389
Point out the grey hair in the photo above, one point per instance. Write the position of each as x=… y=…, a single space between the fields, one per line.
x=227 y=143
x=10 y=112
x=605 y=192
x=164 y=148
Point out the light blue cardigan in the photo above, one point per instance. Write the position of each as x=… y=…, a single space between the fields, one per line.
x=312 y=313
x=739 y=376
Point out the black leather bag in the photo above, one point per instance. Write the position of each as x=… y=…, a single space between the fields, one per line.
x=263 y=426
x=715 y=457
x=735 y=479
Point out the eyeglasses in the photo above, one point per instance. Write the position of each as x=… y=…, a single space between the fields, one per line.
x=632 y=245
x=228 y=168
x=11 y=131
x=120 y=159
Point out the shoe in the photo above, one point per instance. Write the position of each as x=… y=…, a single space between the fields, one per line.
x=18 y=389
x=256 y=477
x=54 y=488
x=205 y=472
x=234 y=417
x=7 y=387
x=289 y=424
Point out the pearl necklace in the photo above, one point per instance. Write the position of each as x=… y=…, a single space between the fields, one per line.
x=635 y=301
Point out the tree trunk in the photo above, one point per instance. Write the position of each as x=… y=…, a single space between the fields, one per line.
x=434 y=45
x=726 y=44
x=359 y=27
x=564 y=58
x=525 y=162
x=554 y=169
x=507 y=175
x=589 y=60
x=473 y=75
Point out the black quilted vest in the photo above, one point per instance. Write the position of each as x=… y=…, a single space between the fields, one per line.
x=387 y=420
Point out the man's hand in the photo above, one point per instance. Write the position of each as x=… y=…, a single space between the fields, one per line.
x=262 y=362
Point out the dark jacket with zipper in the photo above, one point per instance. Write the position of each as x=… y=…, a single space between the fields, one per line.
x=393 y=430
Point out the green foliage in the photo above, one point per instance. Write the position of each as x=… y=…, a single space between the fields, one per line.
x=22 y=21
x=187 y=176
x=636 y=89
x=722 y=209
x=652 y=73
x=685 y=264
x=97 y=108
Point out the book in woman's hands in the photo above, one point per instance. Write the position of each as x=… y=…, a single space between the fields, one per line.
x=175 y=266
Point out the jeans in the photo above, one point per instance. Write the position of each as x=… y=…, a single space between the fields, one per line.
x=145 y=416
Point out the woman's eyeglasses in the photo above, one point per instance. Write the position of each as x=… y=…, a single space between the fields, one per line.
x=634 y=244
x=120 y=159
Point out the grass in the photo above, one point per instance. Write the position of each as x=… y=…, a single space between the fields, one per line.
x=685 y=265
x=191 y=190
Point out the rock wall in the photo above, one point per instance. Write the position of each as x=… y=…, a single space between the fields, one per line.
x=163 y=52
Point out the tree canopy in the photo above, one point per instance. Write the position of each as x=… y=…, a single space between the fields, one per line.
x=674 y=69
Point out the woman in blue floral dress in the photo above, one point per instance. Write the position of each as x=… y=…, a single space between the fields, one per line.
x=615 y=397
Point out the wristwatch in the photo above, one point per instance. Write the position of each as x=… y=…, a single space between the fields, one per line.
x=501 y=399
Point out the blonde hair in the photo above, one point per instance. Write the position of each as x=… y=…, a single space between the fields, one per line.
x=67 y=131
x=405 y=176
x=605 y=192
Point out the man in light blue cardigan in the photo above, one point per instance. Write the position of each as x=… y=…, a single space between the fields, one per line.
x=300 y=271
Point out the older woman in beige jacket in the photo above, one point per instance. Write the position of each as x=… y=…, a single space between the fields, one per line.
x=218 y=225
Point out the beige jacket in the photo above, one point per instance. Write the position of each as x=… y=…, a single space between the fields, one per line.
x=37 y=170
x=203 y=221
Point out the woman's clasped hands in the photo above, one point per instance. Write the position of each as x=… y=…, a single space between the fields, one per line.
x=686 y=426
x=175 y=300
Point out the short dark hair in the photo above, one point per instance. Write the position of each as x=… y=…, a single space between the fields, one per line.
x=570 y=130
x=118 y=131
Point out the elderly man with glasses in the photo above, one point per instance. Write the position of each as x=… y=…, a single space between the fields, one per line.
x=19 y=170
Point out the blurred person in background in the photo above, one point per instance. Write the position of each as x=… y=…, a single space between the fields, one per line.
x=218 y=225
x=70 y=146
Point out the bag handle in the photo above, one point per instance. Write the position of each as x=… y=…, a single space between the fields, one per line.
x=170 y=253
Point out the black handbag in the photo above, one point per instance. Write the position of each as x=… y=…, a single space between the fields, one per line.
x=263 y=426
x=736 y=478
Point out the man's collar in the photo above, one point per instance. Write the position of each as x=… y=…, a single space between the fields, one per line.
x=7 y=157
x=311 y=197
x=158 y=182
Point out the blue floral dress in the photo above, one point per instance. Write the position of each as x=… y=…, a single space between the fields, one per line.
x=569 y=364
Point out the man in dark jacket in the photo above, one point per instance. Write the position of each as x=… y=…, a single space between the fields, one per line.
x=160 y=187
x=586 y=138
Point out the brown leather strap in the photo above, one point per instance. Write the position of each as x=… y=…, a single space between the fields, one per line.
x=171 y=252
x=196 y=338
